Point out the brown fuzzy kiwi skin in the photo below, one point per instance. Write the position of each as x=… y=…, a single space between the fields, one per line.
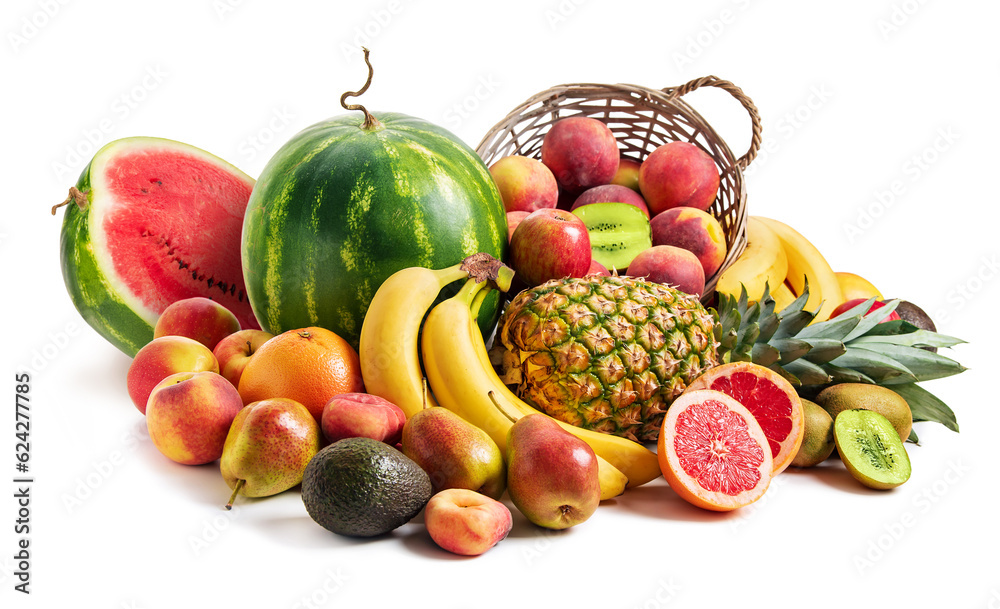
x=817 y=442
x=863 y=396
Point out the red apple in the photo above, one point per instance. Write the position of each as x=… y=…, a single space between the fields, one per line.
x=189 y=414
x=235 y=350
x=466 y=522
x=351 y=415
x=525 y=184
x=550 y=244
x=611 y=193
x=850 y=304
x=199 y=318
x=581 y=152
x=162 y=357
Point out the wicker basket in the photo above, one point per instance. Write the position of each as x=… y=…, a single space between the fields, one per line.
x=641 y=119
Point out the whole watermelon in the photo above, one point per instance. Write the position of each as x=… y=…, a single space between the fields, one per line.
x=344 y=204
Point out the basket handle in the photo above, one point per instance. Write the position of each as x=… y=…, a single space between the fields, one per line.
x=746 y=102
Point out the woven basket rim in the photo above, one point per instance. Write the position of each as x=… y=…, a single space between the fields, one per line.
x=547 y=103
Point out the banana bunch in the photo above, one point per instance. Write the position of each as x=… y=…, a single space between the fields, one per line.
x=389 y=348
x=781 y=258
x=451 y=348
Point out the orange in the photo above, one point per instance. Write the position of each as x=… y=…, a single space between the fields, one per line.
x=769 y=397
x=855 y=286
x=713 y=452
x=308 y=365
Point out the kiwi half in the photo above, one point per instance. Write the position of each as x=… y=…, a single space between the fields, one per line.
x=618 y=232
x=871 y=449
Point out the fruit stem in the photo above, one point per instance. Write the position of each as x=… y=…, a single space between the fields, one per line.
x=75 y=196
x=236 y=491
x=484 y=267
x=371 y=122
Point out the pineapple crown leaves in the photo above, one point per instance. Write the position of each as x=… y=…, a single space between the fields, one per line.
x=855 y=344
x=855 y=347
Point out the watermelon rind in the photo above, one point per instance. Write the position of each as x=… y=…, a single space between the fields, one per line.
x=339 y=208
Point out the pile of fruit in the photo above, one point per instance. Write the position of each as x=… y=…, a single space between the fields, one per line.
x=329 y=324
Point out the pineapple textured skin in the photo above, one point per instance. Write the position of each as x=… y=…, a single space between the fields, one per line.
x=605 y=353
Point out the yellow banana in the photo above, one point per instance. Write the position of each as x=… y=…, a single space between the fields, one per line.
x=782 y=296
x=763 y=261
x=389 y=350
x=612 y=480
x=806 y=262
x=462 y=379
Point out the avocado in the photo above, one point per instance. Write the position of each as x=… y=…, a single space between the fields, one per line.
x=361 y=487
x=913 y=314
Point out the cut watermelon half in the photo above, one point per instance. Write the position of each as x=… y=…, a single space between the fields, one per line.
x=769 y=397
x=154 y=221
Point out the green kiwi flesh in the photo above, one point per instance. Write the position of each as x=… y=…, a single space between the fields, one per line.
x=870 y=447
x=618 y=232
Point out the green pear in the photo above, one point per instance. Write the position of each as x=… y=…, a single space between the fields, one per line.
x=454 y=452
x=268 y=447
x=552 y=475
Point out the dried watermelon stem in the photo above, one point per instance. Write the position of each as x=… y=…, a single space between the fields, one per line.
x=370 y=121
x=75 y=196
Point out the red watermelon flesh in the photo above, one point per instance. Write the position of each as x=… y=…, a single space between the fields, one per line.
x=179 y=230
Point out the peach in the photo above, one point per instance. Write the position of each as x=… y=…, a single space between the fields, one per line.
x=694 y=230
x=581 y=152
x=513 y=219
x=162 y=357
x=351 y=415
x=610 y=193
x=596 y=268
x=234 y=352
x=628 y=173
x=199 y=318
x=854 y=286
x=670 y=265
x=466 y=522
x=678 y=174
x=189 y=414
x=525 y=184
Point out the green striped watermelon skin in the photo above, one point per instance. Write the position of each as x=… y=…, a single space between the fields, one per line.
x=340 y=208
x=97 y=301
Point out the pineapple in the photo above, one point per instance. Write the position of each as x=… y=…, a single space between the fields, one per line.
x=611 y=353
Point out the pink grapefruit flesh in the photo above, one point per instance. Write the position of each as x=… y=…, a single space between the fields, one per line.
x=769 y=397
x=712 y=451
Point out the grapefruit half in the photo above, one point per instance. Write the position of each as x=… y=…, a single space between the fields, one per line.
x=713 y=452
x=769 y=397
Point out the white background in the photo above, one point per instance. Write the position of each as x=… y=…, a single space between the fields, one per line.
x=858 y=98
